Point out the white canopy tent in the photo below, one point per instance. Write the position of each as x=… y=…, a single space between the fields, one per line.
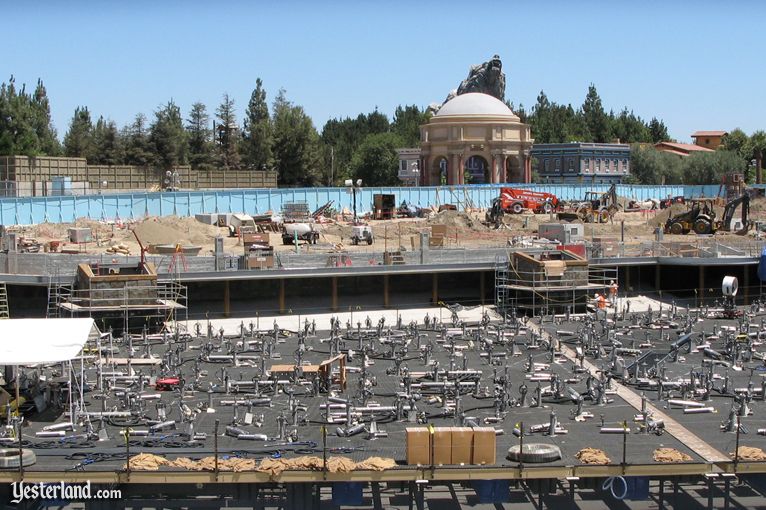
x=40 y=341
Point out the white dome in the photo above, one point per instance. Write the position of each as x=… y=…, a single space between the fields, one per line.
x=475 y=104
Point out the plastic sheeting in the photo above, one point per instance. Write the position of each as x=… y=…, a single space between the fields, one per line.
x=34 y=341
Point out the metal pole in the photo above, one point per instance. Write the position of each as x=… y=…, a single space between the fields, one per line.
x=215 y=446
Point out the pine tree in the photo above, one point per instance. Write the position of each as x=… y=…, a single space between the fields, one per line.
x=137 y=146
x=296 y=144
x=200 y=144
x=228 y=134
x=257 y=139
x=168 y=137
x=407 y=122
x=658 y=131
x=596 y=120
x=48 y=142
x=78 y=142
x=107 y=142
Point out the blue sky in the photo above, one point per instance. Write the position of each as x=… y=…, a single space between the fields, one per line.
x=696 y=65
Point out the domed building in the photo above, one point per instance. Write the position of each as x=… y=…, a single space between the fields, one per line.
x=474 y=138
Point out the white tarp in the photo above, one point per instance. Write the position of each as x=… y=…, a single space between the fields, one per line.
x=32 y=341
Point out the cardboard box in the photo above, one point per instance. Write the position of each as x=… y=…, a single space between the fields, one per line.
x=442 y=446
x=462 y=445
x=484 y=446
x=418 y=446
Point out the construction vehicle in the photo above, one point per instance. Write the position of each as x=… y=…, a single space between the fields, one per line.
x=701 y=217
x=516 y=201
x=596 y=207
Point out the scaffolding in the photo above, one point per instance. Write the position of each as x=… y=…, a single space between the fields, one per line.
x=125 y=299
x=548 y=281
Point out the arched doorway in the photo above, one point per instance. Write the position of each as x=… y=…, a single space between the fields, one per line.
x=476 y=170
x=438 y=174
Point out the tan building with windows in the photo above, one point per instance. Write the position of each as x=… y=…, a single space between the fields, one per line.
x=474 y=138
x=709 y=139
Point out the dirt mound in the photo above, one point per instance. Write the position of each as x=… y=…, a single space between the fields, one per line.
x=173 y=230
x=660 y=218
x=458 y=220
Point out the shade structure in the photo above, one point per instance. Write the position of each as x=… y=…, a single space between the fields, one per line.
x=35 y=341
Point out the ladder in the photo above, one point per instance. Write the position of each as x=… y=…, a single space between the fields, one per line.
x=57 y=294
x=4 y=312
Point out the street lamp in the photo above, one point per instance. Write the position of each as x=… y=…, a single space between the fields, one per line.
x=416 y=171
x=352 y=188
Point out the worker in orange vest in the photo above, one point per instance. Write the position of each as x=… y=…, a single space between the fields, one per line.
x=600 y=301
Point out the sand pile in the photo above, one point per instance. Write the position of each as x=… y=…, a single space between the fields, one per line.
x=748 y=453
x=593 y=456
x=670 y=455
x=456 y=220
x=274 y=467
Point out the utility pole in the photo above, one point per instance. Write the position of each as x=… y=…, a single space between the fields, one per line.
x=332 y=165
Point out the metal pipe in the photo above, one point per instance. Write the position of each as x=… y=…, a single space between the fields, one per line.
x=699 y=410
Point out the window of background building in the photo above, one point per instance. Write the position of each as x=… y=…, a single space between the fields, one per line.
x=403 y=167
x=558 y=163
x=586 y=165
x=598 y=164
x=547 y=164
x=625 y=165
x=570 y=165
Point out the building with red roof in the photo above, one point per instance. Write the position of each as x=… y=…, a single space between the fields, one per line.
x=680 y=149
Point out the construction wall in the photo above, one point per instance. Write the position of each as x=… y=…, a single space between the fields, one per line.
x=20 y=211
x=23 y=176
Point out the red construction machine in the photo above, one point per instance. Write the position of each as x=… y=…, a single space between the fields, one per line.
x=515 y=201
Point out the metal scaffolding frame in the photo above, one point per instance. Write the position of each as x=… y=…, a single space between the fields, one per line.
x=536 y=292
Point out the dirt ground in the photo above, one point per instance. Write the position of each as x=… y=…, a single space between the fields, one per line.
x=463 y=230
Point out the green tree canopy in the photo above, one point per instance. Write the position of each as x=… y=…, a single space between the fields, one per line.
x=375 y=161
x=407 y=122
x=650 y=166
x=296 y=144
x=25 y=122
x=711 y=167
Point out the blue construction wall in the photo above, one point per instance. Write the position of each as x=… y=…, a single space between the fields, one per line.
x=21 y=211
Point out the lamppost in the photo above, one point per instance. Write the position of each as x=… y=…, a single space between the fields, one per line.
x=172 y=180
x=103 y=187
x=416 y=171
x=353 y=186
